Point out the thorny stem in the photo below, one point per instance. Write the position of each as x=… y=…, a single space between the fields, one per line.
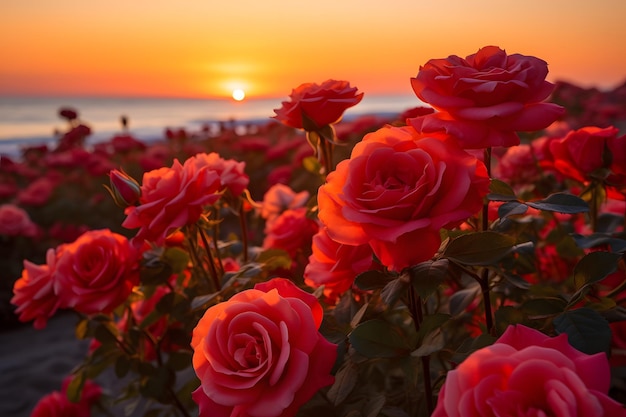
x=196 y=260
x=415 y=308
x=214 y=273
x=484 y=279
x=327 y=155
x=244 y=232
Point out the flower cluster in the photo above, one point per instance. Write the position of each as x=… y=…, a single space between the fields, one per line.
x=465 y=259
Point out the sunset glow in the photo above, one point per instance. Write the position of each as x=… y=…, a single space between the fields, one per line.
x=193 y=49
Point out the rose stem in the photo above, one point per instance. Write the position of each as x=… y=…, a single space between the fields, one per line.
x=484 y=281
x=415 y=308
x=244 y=231
x=196 y=258
x=216 y=280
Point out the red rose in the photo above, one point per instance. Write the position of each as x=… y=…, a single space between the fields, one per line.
x=280 y=197
x=15 y=221
x=33 y=292
x=335 y=265
x=320 y=104
x=56 y=404
x=528 y=373
x=260 y=353
x=96 y=272
x=486 y=97
x=397 y=190
x=231 y=172
x=582 y=151
x=172 y=198
x=292 y=231
x=124 y=189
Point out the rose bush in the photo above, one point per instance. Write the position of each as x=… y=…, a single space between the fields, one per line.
x=397 y=190
x=526 y=373
x=485 y=98
x=260 y=353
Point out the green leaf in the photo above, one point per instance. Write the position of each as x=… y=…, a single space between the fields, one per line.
x=511 y=208
x=479 y=248
x=311 y=164
x=431 y=323
x=179 y=360
x=74 y=389
x=543 y=307
x=155 y=386
x=507 y=315
x=345 y=381
x=176 y=258
x=561 y=203
x=372 y=280
x=427 y=276
x=430 y=334
x=122 y=366
x=394 y=290
x=379 y=339
x=594 y=267
x=461 y=299
x=586 y=330
x=500 y=191
x=600 y=239
x=82 y=329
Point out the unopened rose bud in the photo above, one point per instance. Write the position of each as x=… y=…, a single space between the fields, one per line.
x=124 y=189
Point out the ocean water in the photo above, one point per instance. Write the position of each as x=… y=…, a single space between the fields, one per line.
x=28 y=121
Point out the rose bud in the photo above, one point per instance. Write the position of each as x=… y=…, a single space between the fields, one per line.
x=124 y=189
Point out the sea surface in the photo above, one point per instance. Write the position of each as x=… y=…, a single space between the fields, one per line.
x=29 y=121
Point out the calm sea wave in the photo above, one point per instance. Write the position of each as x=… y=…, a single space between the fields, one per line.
x=26 y=121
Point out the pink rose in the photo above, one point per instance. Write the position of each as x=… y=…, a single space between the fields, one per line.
x=231 y=172
x=486 y=97
x=314 y=106
x=335 y=265
x=33 y=292
x=15 y=221
x=397 y=190
x=292 y=231
x=280 y=197
x=172 y=198
x=582 y=151
x=37 y=193
x=260 y=353
x=528 y=373
x=96 y=272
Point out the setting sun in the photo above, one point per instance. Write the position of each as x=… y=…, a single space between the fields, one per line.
x=238 y=94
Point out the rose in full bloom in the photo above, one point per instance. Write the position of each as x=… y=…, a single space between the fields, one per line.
x=397 y=190
x=15 y=221
x=280 y=197
x=260 y=353
x=582 y=152
x=486 y=97
x=528 y=373
x=96 y=273
x=319 y=104
x=292 y=232
x=56 y=404
x=33 y=292
x=231 y=172
x=172 y=198
x=335 y=265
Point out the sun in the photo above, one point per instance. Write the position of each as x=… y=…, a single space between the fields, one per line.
x=238 y=94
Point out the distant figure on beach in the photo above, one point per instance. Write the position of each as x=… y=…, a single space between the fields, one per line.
x=124 y=121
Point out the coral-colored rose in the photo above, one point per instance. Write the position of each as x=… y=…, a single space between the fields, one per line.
x=335 y=265
x=231 y=172
x=96 y=273
x=319 y=104
x=526 y=373
x=15 y=221
x=33 y=292
x=172 y=198
x=582 y=151
x=260 y=353
x=397 y=190
x=486 y=97
x=280 y=197
x=56 y=404
x=292 y=231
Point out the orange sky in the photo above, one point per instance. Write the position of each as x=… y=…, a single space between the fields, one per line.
x=205 y=48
